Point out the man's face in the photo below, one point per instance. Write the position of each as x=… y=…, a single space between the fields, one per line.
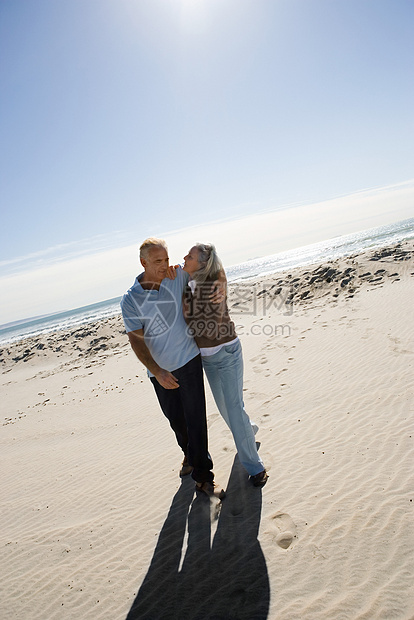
x=156 y=264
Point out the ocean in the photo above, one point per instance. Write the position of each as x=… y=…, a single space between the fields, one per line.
x=306 y=255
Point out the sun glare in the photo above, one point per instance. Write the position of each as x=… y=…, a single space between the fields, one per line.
x=193 y=15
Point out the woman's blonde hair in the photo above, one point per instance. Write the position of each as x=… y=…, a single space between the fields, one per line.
x=210 y=264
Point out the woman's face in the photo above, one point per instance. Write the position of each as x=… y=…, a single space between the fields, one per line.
x=191 y=264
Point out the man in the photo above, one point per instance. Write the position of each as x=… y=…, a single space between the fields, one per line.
x=158 y=335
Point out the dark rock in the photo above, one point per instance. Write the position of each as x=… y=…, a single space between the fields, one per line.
x=96 y=340
x=100 y=347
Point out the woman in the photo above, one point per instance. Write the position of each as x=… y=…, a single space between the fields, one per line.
x=221 y=353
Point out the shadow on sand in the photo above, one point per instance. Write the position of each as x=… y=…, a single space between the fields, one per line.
x=225 y=580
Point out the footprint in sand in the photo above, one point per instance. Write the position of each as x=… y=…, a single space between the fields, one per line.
x=283 y=530
x=259 y=359
x=262 y=359
x=280 y=371
x=269 y=401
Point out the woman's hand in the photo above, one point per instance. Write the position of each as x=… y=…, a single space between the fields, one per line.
x=172 y=272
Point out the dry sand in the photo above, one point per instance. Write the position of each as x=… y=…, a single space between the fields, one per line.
x=96 y=524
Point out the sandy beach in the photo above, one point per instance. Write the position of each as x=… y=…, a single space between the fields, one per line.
x=95 y=522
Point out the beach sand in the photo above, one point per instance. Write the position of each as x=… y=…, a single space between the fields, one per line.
x=95 y=522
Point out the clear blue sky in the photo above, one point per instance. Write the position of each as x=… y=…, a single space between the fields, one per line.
x=124 y=118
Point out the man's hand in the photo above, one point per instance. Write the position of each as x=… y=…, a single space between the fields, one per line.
x=218 y=290
x=166 y=379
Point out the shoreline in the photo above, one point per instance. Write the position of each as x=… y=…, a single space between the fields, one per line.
x=95 y=519
x=341 y=277
x=330 y=246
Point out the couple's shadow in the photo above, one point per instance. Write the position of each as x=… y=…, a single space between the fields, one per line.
x=225 y=579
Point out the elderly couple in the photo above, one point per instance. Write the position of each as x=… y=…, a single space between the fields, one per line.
x=178 y=323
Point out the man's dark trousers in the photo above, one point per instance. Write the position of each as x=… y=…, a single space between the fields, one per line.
x=185 y=408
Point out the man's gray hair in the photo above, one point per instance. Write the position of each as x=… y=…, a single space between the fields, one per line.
x=210 y=264
x=151 y=242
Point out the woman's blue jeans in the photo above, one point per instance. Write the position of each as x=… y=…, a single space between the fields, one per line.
x=224 y=371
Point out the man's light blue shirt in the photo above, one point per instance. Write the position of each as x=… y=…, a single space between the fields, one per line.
x=159 y=314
